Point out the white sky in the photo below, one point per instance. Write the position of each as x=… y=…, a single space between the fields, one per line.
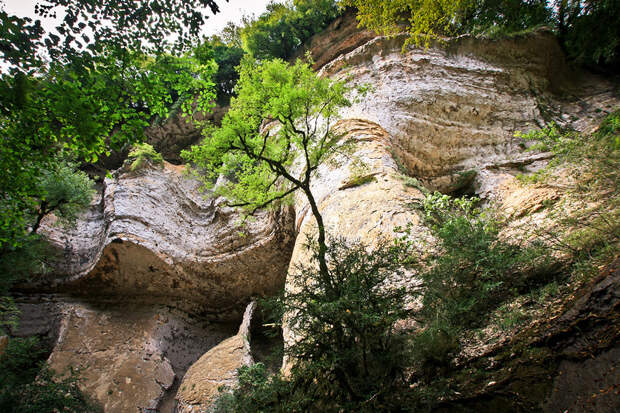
x=232 y=10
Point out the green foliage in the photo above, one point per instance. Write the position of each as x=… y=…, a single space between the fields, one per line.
x=349 y=354
x=9 y=315
x=348 y=351
x=422 y=19
x=359 y=174
x=19 y=39
x=588 y=30
x=61 y=190
x=358 y=180
x=27 y=385
x=256 y=391
x=588 y=234
x=88 y=26
x=228 y=57
x=141 y=155
x=593 y=159
x=266 y=163
x=84 y=109
x=283 y=28
x=19 y=263
x=414 y=183
x=303 y=108
x=66 y=192
x=471 y=273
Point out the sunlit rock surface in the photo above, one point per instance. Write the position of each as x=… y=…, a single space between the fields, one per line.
x=153 y=236
x=142 y=278
x=153 y=259
x=447 y=116
x=129 y=356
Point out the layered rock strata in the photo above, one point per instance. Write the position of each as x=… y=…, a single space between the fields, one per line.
x=152 y=249
x=154 y=237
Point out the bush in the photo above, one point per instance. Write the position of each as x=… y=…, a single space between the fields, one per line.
x=255 y=391
x=587 y=218
x=471 y=273
x=349 y=354
x=143 y=154
x=28 y=385
x=67 y=191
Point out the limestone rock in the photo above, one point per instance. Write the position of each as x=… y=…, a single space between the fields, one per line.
x=153 y=236
x=4 y=342
x=177 y=133
x=216 y=368
x=340 y=37
x=447 y=115
x=129 y=357
x=454 y=107
x=367 y=213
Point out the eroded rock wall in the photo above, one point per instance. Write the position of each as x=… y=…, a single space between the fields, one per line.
x=153 y=236
x=130 y=357
x=445 y=115
x=152 y=277
x=217 y=368
x=152 y=249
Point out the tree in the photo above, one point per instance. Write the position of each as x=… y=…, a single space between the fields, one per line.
x=283 y=28
x=422 y=19
x=228 y=57
x=350 y=355
x=588 y=30
x=88 y=27
x=274 y=137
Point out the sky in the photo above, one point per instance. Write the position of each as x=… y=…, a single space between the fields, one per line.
x=232 y=10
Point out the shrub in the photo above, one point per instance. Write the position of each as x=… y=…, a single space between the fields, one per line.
x=469 y=275
x=143 y=154
x=349 y=355
x=589 y=232
x=67 y=191
x=28 y=385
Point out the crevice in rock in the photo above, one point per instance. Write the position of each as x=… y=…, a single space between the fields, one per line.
x=266 y=341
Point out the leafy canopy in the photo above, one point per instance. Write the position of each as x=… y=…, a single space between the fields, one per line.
x=282 y=113
x=588 y=30
x=283 y=28
x=88 y=27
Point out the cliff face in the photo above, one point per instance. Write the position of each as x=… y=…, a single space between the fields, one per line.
x=154 y=263
x=143 y=278
x=153 y=236
x=447 y=117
